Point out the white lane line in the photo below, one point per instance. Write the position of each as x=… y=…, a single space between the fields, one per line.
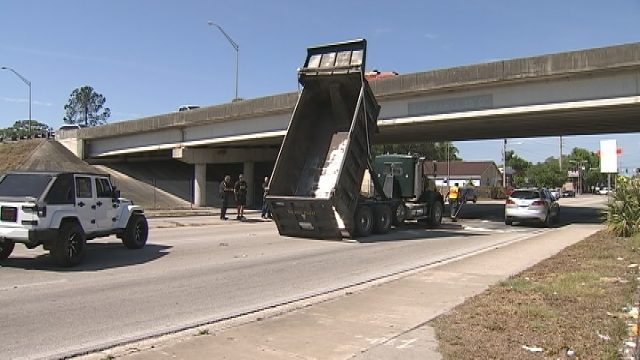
x=22 y=286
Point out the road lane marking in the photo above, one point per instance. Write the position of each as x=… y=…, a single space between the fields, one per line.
x=23 y=286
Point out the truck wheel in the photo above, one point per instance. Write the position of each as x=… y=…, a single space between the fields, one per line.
x=399 y=214
x=435 y=216
x=136 y=233
x=382 y=219
x=508 y=221
x=6 y=248
x=70 y=246
x=363 y=221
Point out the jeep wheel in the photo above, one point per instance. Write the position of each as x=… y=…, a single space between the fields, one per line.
x=70 y=246
x=6 y=248
x=136 y=233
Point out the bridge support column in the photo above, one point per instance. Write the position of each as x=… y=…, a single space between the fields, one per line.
x=248 y=176
x=200 y=185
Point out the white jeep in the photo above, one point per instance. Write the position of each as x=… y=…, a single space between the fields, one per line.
x=62 y=210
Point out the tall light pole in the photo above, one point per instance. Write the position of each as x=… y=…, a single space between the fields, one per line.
x=235 y=47
x=28 y=84
x=504 y=163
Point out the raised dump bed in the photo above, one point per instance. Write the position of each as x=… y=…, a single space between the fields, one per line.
x=315 y=186
x=315 y=189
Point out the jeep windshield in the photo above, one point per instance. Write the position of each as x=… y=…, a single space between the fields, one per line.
x=24 y=185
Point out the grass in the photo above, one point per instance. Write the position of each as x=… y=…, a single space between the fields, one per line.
x=564 y=302
x=13 y=154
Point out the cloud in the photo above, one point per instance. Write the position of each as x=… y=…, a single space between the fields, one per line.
x=23 y=100
x=431 y=36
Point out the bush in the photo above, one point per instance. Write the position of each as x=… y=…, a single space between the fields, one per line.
x=623 y=208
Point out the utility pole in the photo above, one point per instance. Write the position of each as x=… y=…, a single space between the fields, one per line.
x=560 y=159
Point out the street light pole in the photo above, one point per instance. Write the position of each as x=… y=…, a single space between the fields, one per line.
x=235 y=47
x=28 y=84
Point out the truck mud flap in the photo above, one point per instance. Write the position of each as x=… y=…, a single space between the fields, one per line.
x=307 y=218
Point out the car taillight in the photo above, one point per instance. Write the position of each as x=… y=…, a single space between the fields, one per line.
x=9 y=214
x=537 y=203
x=510 y=202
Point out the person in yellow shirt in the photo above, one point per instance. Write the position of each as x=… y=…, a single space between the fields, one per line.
x=454 y=200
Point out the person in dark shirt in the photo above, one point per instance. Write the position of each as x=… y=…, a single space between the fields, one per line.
x=266 y=212
x=226 y=191
x=240 y=189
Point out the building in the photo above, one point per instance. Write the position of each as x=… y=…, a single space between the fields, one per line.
x=478 y=173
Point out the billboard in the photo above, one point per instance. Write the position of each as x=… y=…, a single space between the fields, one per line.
x=608 y=156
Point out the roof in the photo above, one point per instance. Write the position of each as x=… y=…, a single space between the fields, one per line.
x=461 y=168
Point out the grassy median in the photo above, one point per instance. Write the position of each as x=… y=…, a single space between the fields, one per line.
x=572 y=302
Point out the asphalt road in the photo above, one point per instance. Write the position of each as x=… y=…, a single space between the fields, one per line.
x=209 y=270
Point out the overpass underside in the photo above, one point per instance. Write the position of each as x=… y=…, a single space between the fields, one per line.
x=602 y=116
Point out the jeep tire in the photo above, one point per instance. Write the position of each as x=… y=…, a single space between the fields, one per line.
x=136 y=233
x=71 y=245
x=6 y=248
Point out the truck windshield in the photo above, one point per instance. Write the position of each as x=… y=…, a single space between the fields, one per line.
x=22 y=185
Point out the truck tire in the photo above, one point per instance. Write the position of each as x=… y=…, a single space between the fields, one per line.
x=381 y=219
x=363 y=221
x=399 y=214
x=136 y=233
x=435 y=215
x=71 y=245
x=6 y=248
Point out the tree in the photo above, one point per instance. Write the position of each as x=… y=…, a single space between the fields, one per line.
x=546 y=174
x=588 y=164
x=22 y=128
x=430 y=150
x=519 y=166
x=85 y=107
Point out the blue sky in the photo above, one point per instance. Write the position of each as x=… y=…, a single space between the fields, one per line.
x=149 y=57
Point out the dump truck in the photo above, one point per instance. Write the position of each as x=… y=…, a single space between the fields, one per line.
x=315 y=187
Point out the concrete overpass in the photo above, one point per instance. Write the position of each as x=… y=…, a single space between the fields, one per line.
x=579 y=92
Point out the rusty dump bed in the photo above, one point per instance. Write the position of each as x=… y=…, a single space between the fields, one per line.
x=316 y=181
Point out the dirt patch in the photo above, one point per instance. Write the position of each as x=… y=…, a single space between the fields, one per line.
x=13 y=154
x=569 y=305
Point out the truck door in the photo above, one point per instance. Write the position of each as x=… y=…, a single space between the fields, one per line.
x=85 y=203
x=105 y=210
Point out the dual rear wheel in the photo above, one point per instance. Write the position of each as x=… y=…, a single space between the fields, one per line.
x=372 y=219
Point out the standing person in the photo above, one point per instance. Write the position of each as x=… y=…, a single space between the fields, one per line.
x=454 y=192
x=266 y=212
x=226 y=190
x=240 y=189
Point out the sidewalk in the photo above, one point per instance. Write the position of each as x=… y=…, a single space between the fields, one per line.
x=385 y=321
x=200 y=217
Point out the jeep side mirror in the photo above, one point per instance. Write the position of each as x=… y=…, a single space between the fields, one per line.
x=116 y=194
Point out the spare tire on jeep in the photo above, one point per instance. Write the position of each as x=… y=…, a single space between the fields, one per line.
x=136 y=233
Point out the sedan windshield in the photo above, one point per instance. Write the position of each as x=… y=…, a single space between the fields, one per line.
x=22 y=185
